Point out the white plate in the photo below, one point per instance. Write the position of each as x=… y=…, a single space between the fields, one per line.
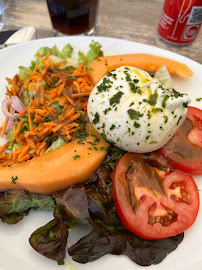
x=15 y=251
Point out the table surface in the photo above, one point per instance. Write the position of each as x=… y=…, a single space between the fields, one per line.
x=134 y=20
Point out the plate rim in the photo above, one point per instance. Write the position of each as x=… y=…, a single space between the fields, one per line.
x=99 y=37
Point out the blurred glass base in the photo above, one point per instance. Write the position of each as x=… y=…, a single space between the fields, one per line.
x=2 y=18
x=91 y=32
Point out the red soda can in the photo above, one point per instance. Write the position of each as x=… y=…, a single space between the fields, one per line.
x=180 y=21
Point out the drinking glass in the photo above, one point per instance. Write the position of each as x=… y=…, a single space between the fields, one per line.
x=2 y=8
x=73 y=17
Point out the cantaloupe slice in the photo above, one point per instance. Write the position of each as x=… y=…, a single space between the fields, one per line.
x=70 y=164
x=150 y=63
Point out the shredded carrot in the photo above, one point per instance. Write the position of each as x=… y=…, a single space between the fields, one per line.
x=45 y=121
x=24 y=158
x=70 y=100
x=4 y=147
x=24 y=151
x=76 y=85
x=15 y=156
x=80 y=95
x=44 y=132
x=23 y=111
x=30 y=120
x=4 y=127
x=35 y=69
x=60 y=89
x=42 y=151
x=42 y=145
x=57 y=128
x=30 y=142
x=18 y=129
x=46 y=57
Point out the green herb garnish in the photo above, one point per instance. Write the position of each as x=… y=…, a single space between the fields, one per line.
x=14 y=179
x=76 y=157
x=96 y=119
x=134 y=114
x=116 y=98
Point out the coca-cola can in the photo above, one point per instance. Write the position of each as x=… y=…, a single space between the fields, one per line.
x=180 y=21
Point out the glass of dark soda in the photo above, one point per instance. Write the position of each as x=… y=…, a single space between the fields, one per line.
x=73 y=17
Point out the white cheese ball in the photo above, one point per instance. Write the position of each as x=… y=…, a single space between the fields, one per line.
x=136 y=111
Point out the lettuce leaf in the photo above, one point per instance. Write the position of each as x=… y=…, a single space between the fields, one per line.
x=25 y=98
x=24 y=73
x=15 y=204
x=75 y=203
x=9 y=135
x=94 y=52
x=66 y=51
x=43 y=51
x=56 y=144
x=51 y=239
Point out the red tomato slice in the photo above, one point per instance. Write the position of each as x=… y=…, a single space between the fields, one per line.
x=184 y=150
x=151 y=203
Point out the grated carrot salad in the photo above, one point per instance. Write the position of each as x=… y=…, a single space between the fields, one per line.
x=70 y=89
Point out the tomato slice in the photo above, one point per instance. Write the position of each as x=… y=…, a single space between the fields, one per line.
x=151 y=203
x=184 y=150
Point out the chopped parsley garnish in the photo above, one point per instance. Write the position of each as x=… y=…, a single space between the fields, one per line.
x=199 y=99
x=116 y=98
x=106 y=111
x=61 y=262
x=176 y=94
x=132 y=168
x=136 y=125
x=74 y=78
x=165 y=119
x=152 y=100
x=104 y=136
x=134 y=114
x=104 y=85
x=136 y=80
x=95 y=148
x=128 y=78
x=47 y=87
x=75 y=157
x=30 y=149
x=112 y=127
x=111 y=74
x=185 y=104
x=14 y=179
x=164 y=101
x=134 y=88
x=179 y=120
x=157 y=110
x=81 y=142
x=47 y=118
x=48 y=140
x=160 y=168
x=81 y=134
x=53 y=82
x=102 y=148
x=131 y=104
x=96 y=119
